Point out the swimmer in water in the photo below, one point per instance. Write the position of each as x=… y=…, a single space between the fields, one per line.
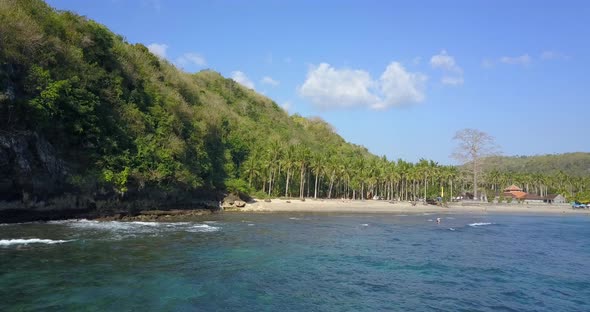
x=438 y=220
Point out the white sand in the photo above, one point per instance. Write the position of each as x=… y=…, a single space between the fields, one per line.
x=382 y=206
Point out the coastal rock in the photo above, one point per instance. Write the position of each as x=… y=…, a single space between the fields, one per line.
x=232 y=201
x=29 y=167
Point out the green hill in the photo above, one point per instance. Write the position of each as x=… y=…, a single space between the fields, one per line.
x=82 y=111
x=573 y=164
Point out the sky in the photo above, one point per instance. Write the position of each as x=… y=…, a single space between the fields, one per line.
x=398 y=77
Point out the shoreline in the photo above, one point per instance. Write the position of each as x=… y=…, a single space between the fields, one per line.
x=277 y=205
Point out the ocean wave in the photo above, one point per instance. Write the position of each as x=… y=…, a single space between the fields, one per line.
x=136 y=227
x=202 y=228
x=26 y=241
x=479 y=224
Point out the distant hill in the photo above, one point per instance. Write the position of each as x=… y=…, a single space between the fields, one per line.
x=574 y=164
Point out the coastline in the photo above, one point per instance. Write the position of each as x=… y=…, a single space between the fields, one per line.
x=383 y=206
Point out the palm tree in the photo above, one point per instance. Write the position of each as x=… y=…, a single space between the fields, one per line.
x=317 y=165
x=289 y=160
x=302 y=162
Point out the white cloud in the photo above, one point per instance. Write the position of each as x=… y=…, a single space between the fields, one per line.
x=400 y=87
x=242 y=79
x=453 y=81
x=328 y=87
x=191 y=58
x=269 y=81
x=158 y=49
x=447 y=63
x=524 y=59
x=553 y=55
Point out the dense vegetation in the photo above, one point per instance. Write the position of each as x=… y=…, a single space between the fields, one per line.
x=574 y=164
x=130 y=125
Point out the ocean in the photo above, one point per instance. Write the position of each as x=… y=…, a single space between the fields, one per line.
x=299 y=262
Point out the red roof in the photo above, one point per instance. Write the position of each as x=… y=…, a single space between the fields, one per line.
x=513 y=188
x=516 y=194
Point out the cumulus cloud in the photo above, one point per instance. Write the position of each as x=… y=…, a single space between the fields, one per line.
x=446 y=63
x=158 y=49
x=328 y=87
x=524 y=59
x=269 y=81
x=191 y=59
x=400 y=87
x=242 y=79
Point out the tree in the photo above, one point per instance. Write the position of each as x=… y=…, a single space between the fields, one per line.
x=472 y=146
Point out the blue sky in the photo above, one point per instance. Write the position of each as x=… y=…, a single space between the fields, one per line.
x=399 y=77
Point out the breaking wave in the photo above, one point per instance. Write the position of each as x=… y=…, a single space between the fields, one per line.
x=480 y=224
x=137 y=227
x=27 y=241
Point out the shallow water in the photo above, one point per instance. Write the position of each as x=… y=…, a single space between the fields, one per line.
x=300 y=262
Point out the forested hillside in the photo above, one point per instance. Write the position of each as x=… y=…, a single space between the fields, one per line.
x=574 y=164
x=84 y=111
x=87 y=118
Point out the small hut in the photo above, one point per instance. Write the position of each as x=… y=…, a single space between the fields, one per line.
x=555 y=199
x=514 y=191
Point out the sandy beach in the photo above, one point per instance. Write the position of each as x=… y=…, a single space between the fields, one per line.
x=382 y=206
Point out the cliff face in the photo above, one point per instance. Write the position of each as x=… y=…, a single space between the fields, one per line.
x=29 y=168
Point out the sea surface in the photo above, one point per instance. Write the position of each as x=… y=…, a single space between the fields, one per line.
x=299 y=262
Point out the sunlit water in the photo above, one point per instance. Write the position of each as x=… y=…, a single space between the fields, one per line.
x=299 y=262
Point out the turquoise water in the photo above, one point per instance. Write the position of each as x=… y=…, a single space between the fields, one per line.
x=299 y=262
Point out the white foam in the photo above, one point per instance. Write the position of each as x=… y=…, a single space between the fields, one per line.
x=136 y=227
x=250 y=224
x=480 y=224
x=202 y=228
x=364 y=224
x=451 y=229
x=145 y=223
x=22 y=241
x=294 y=218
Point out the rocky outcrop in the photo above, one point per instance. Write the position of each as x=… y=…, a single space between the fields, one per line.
x=231 y=202
x=34 y=186
x=160 y=215
x=30 y=169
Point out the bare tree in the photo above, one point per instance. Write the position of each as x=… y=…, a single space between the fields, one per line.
x=472 y=146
